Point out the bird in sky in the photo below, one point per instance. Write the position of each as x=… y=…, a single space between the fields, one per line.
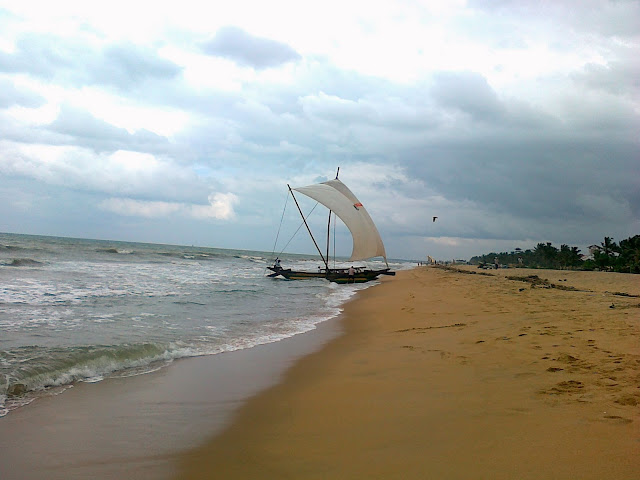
x=434 y=218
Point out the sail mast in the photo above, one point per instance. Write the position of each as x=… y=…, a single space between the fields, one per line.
x=326 y=262
x=329 y=237
x=329 y=231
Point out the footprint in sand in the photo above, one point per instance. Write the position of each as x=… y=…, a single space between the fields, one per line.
x=618 y=419
x=566 y=358
x=609 y=383
x=570 y=385
x=567 y=387
x=462 y=359
x=630 y=400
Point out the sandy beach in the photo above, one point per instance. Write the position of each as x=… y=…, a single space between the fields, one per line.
x=433 y=373
x=455 y=374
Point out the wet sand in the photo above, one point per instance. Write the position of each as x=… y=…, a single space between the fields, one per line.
x=452 y=375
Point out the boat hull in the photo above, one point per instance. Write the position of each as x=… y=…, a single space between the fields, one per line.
x=336 y=276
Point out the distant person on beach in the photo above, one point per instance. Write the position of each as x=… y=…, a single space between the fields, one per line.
x=352 y=273
x=495 y=263
x=277 y=263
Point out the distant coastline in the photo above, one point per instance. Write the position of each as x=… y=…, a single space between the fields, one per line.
x=608 y=256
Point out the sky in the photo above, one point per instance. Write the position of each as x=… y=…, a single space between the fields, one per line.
x=513 y=122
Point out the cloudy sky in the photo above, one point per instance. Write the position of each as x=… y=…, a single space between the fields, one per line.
x=514 y=122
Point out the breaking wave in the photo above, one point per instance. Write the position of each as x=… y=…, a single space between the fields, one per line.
x=58 y=367
x=120 y=251
x=23 y=262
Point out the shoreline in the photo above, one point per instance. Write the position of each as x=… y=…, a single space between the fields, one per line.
x=446 y=375
x=138 y=426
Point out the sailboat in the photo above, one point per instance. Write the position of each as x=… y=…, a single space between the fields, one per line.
x=367 y=243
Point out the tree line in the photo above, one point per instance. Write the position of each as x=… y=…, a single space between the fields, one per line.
x=610 y=256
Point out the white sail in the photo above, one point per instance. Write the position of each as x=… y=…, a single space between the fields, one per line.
x=338 y=198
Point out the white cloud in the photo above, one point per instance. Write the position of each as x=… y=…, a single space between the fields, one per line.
x=220 y=207
x=129 y=115
x=133 y=162
x=140 y=208
x=333 y=107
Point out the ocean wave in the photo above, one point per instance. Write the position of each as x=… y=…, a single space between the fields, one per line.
x=252 y=258
x=23 y=262
x=33 y=371
x=11 y=247
x=36 y=369
x=119 y=251
x=190 y=255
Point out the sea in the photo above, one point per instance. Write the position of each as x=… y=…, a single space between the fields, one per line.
x=78 y=310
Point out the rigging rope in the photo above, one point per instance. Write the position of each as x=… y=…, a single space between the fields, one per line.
x=294 y=234
x=298 y=229
x=286 y=200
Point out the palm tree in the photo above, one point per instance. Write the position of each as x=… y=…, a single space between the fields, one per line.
x=630 y=253
x=609 y=246
x=565 y=255
x=604 y=256
x=546 y=254
x=575 y=258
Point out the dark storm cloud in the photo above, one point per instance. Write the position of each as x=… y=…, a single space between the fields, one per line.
x=616 y=77
x=10 y=96
x=520 y=170
x=76 y=63
x=248 y=50
x=467 y=92
x=550 y=180
x=501 y=155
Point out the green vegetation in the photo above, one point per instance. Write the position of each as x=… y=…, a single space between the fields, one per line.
x=608 y=256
